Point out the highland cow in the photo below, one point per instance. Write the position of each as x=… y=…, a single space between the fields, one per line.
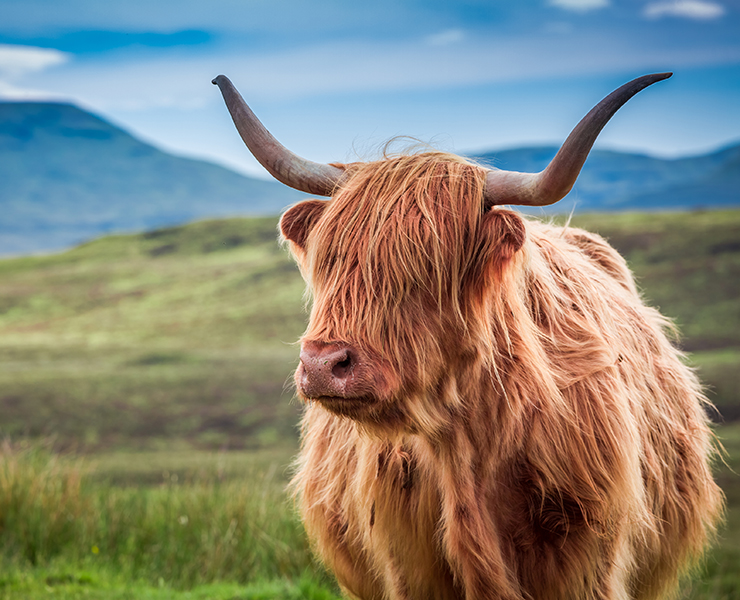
x=491 y=410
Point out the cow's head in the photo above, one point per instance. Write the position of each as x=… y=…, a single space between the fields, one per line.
x=396 y=262
x=402 y=259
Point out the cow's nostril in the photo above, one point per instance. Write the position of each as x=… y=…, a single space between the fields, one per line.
x=343 y=367
x=330 y=370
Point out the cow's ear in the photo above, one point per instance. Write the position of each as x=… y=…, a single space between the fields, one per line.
x=297 y=221
x=500 y=237
x=504 y=232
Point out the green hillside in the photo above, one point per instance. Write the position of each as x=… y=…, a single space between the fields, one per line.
x=178 y=333
x=188 y=333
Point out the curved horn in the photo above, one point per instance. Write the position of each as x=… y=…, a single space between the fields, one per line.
x=552 y=184
x=283 y=165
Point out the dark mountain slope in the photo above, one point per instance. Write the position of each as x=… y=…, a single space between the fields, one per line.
x=67 y=175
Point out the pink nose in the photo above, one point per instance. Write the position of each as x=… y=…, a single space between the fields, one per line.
x=329 y=370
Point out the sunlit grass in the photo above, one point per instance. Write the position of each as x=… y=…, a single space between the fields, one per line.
x=163 y=522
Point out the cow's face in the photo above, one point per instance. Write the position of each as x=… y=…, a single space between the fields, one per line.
x=399 y=264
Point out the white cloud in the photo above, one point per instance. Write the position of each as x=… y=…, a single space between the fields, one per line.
x=445 y=38
x=702 y=10
x=9 y=91
x=579 y=5
x=17 y=60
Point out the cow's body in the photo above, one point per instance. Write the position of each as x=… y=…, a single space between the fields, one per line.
x=571 y=462
x=492 y=411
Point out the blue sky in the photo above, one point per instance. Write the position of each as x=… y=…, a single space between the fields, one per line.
x=335 y=79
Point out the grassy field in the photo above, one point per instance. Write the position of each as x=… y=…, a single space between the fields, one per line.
x=197 y=524
x=159 y=365
x=188 y=333
x=141 y=340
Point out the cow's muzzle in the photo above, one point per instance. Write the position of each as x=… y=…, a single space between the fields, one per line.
x=335 y=371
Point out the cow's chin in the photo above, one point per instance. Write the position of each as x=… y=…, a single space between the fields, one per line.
x=353 y=407
x=374 y=415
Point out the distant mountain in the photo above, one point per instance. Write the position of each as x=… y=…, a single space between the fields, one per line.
x=67 y=176
x=616 y=181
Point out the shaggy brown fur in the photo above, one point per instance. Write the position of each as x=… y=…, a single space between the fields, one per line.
x=532 y=432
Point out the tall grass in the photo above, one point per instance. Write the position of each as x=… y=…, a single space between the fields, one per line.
x=180 y=533
x=232 y=531
x=42 y=503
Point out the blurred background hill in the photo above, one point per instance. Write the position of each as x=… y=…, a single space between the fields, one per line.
x=618 y=181
x=67 y=176
x=188 y=333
